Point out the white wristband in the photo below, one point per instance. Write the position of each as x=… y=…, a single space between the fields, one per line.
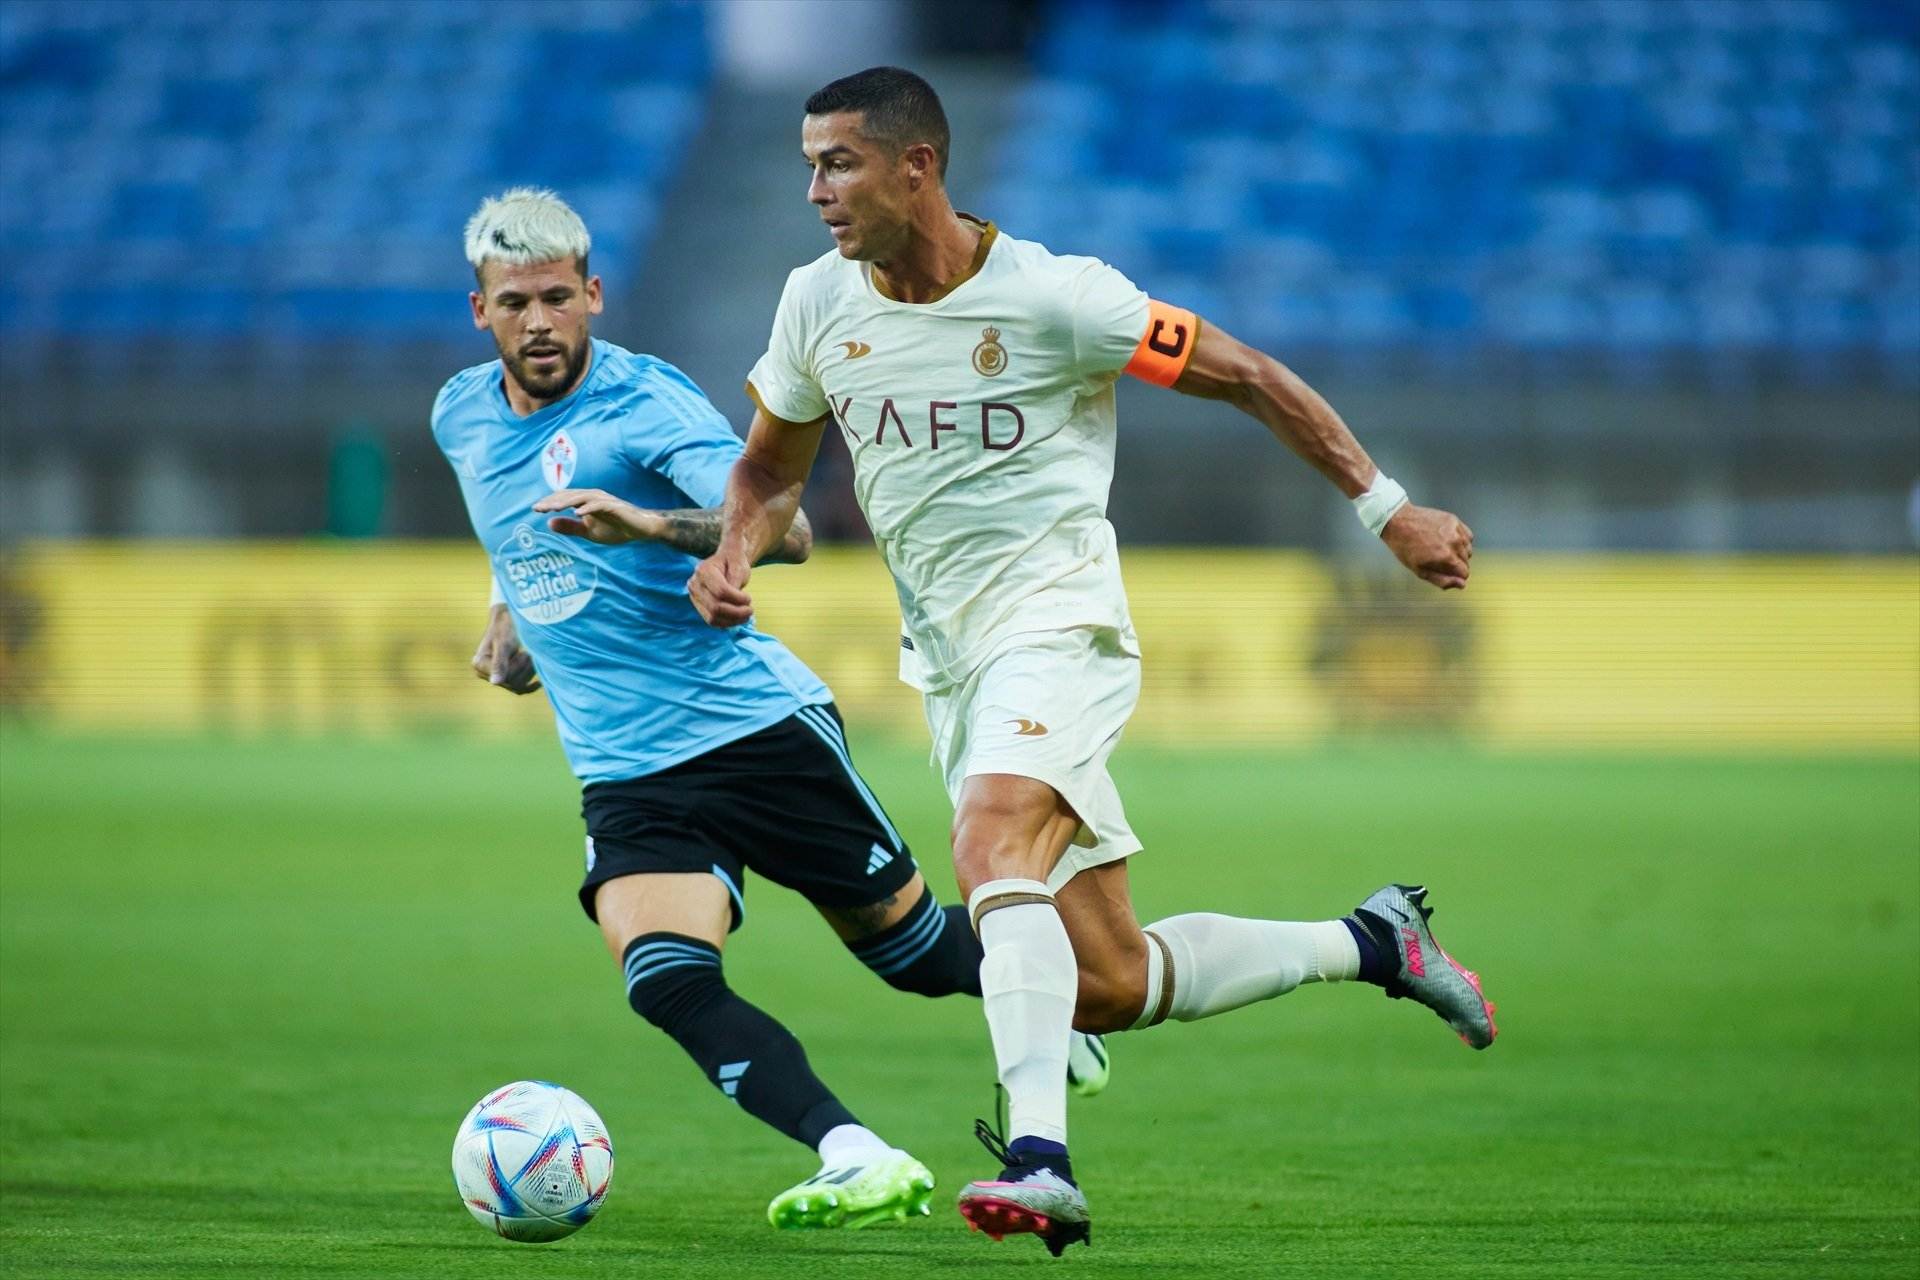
x=498 y=597
x=1376 y=506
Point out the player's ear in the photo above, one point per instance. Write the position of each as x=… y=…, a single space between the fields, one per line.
x=478 y=302
x=593 y=295
x=923 y=163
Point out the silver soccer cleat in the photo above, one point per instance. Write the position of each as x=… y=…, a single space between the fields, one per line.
x=1028 y=1201
x=1027 y=1198
x=1396 y=917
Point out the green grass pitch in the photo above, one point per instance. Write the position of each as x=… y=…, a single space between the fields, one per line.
x=247 y=990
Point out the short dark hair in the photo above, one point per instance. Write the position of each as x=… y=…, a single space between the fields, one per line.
x=899 y=107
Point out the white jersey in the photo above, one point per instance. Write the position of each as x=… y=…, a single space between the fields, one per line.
x=982 y=431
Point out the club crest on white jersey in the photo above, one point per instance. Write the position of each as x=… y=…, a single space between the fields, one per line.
x=557 y=460
x=989 y=358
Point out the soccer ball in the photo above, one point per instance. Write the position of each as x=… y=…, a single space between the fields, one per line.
x=532 y=1161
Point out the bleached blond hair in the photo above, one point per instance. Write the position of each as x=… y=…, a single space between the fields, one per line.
x=525 y=225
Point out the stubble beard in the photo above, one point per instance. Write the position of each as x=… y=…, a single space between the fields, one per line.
x=551 y=386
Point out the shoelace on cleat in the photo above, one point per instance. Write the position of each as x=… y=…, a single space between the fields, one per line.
x=994 y=1138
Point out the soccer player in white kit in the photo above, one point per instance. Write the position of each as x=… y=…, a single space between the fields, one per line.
x=972 y=376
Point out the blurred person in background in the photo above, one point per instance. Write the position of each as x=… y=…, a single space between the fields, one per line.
x=703 y=753
x=924 y=322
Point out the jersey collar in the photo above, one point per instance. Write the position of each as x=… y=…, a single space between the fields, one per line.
x=559 y=408
x=988 y=234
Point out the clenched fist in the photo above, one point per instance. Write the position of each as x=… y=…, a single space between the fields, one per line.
x=718 y=589
x=1435 y=544
x=500 y=659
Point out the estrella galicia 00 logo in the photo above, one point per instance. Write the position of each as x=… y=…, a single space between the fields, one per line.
x=547 y=581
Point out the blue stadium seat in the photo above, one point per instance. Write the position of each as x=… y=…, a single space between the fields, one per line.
x=186 y=169
x=1650 y=177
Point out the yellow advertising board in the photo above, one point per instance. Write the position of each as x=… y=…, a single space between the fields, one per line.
x=1241 y=646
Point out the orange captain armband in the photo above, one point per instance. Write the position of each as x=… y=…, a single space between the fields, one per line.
x=1166 y=346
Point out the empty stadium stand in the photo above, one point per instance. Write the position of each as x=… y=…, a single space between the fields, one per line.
x=1647 y=180
x=292 y=176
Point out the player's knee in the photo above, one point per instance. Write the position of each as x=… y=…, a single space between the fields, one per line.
x=1108 y=1001
x=990 y=842
x=976 y=846
x=931 y=951
x=671 y=977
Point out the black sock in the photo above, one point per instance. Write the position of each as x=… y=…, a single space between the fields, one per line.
x=675 y=983
x=1374 y=951
x=1042 y=1153
x=931 y=951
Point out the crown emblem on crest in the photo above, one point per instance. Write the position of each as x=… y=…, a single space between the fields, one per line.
x=989 y=358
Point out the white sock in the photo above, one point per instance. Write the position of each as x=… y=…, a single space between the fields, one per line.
x=1028 y=983
x=1219 y=962
x=845 y=1143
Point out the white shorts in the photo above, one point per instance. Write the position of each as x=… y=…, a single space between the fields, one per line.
x=1050 y=706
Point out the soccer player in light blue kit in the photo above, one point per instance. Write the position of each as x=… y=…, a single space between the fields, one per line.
x=702 y=752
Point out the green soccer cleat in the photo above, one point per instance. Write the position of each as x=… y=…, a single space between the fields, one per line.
x=1088 y=1067
x=889 y=1186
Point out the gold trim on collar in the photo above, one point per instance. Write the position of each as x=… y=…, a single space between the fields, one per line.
x=988 y=234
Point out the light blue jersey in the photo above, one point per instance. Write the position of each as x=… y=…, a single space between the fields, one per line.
x=638 y=682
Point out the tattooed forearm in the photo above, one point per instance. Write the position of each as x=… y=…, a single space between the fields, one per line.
x=697 y=532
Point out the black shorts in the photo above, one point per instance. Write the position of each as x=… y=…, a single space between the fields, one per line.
x=785 y=803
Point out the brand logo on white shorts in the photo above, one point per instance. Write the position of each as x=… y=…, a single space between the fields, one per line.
x=1028 y=728
x=557 y=459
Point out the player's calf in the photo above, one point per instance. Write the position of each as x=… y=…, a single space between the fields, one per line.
x=1113 y=990
x=675 y=983
x=932 y=951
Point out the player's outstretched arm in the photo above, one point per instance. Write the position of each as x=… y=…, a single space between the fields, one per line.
x=763 y=500
x=600 y=517
x=1434 y=544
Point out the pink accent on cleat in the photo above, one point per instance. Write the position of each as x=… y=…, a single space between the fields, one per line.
x=1003 y=1218
x=1473 y=980
x=1415 y=965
